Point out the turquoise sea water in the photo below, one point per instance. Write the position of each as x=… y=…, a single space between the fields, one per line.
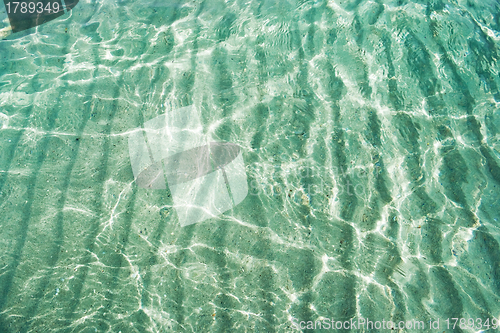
x=369 y=132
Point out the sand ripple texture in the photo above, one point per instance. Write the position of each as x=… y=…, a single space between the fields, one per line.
x=370 y=135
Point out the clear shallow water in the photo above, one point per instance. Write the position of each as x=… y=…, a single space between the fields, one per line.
x=369 y=132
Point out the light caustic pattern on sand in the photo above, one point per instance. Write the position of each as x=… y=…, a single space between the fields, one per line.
x=369 y=131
